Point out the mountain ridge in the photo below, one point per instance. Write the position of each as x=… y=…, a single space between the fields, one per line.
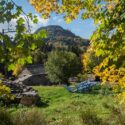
x=58 y=37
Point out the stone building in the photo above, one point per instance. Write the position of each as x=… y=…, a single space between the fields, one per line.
x=33 y=75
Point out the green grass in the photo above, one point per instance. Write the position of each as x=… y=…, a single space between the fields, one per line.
x=61 y=107
x=59 y=104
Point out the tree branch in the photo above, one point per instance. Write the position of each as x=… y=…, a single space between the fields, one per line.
x=26 y=16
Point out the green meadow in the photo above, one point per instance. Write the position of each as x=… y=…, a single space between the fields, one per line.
x=59 y=105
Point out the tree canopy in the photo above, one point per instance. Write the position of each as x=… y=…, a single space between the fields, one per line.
x=61 y=65
x=16 y=51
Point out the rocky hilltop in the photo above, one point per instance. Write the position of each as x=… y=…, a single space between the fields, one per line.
x=57 y=37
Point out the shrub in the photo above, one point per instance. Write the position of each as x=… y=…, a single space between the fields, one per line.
x=5 y=92
x=117 y=116
x=32 y=117
x=5 y=118
x=89 y=117
x=95 y=89
x=105 y=90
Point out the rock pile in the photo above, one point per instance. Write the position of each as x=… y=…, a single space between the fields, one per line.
x=23 y=94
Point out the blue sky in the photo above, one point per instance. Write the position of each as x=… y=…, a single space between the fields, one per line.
x=78 y=26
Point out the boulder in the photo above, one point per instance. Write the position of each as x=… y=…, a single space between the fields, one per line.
x=23 y=94
x=29 y=98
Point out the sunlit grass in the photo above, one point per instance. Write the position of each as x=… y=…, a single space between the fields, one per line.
x=59 y=104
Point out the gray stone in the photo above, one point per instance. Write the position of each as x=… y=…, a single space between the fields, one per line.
x=33 y=75
x=23 y=94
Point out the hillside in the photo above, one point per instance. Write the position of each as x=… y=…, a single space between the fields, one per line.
x=57 y=37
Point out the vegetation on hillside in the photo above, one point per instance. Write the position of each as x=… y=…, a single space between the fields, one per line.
x=61 y=39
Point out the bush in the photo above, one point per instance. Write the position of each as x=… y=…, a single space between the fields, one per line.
x=117 y=116
x=5 y=118
x=5 y=93
x=89 y=117
x=105 y=90
x=96 y=88
x=32 y=117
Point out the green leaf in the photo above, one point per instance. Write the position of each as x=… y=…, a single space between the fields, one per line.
x=20 y=21
x=21 y=44
x=21 y=61
x=99 y=52
x=35 y=20
x=42 y=34
x=29 y=59
x=33 y=46
x=11 y=67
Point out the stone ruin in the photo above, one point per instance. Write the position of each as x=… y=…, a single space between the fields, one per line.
x=32 y=75
x=23 y=94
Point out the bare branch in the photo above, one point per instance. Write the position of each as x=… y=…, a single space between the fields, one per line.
x=26 y=16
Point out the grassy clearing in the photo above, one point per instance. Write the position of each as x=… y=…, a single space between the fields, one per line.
x=59 y=104
x=60 y=107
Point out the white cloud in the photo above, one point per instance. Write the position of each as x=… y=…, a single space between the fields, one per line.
x=4 y=26
x=34 y=27
x=41 y=22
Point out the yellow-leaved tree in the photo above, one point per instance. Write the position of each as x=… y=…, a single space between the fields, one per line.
x=5 y=92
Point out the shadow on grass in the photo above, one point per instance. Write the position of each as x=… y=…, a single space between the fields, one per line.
x=42 y=104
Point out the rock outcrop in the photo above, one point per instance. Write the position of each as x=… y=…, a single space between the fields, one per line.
x=23 y=94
